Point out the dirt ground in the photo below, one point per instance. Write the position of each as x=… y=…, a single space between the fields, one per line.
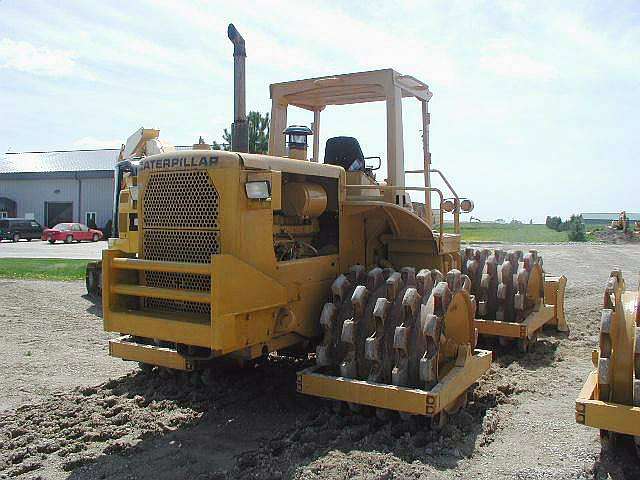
x=67 y=410
x=611 y=235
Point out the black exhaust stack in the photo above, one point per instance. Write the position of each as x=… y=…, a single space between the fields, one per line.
x=240 y=127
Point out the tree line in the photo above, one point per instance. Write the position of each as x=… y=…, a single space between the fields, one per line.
x=574 y=227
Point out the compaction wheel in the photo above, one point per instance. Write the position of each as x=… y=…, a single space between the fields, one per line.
x=508 y=287
x=93 y=282
x=618 y=366
x=398 y=328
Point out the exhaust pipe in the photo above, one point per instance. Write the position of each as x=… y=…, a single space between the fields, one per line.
x=240 y=127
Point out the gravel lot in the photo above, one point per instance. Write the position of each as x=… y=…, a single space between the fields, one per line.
x=39 y=249
x=70 y=411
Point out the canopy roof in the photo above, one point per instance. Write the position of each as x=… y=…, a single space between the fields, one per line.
x=374 y=86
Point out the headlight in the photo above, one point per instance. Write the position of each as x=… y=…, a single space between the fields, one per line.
x=448 y=205
x=258 y=190
x=466 y=205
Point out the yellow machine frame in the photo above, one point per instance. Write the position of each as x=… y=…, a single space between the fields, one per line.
x=251 y=292
x=246 y=295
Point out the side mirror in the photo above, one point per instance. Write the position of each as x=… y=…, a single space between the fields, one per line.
x=368 y=167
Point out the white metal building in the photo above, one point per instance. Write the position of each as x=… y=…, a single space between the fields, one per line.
x=54 y=187
x=607 y=218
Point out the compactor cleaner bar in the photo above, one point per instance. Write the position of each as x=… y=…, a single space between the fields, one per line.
x=607 y=416
x=514 y=330
x=610 y=398
x=514 y=297
x=402 y=399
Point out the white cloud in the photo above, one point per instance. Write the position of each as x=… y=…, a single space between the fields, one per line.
x=501 y=58
x=598 y=51
x=95 y=143
x=356 y=44
x=279 y=38
x=26 y=57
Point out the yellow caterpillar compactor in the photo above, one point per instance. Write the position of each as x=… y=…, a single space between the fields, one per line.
x=610 y=398
x=234 y=255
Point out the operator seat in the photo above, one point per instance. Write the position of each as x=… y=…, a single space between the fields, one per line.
x=344 y=152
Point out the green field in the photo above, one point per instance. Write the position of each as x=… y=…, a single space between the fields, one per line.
x=508 y=233
x=43 y=268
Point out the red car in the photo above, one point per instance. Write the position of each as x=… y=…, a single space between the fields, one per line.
x=68 y=232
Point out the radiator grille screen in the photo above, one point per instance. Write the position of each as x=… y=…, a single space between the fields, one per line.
x=180 y=246
x=180 y=218
x=181 y=200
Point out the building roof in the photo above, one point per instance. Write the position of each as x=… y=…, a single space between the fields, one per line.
x=61 y=161
x=610 y=216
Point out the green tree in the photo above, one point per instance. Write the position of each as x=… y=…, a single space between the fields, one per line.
x=555 y=223
x=577 y=229
x=226 y=140
x=258 y=134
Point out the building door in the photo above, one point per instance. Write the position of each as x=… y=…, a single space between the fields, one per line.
x=58 y=212
x=90 y=219
x=7 y=208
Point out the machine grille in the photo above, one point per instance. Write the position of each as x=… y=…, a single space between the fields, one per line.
x=180 y=245
x=181 y=200
x=180 y=218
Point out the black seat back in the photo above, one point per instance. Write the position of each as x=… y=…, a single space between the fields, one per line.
x=344 y=152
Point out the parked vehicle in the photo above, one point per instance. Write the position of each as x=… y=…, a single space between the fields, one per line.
x=15 y=229
x=70 y=232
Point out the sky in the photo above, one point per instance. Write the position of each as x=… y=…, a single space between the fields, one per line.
x=534 y=112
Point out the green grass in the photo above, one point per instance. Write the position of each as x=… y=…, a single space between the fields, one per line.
x=43 y=268
x=508 y=233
